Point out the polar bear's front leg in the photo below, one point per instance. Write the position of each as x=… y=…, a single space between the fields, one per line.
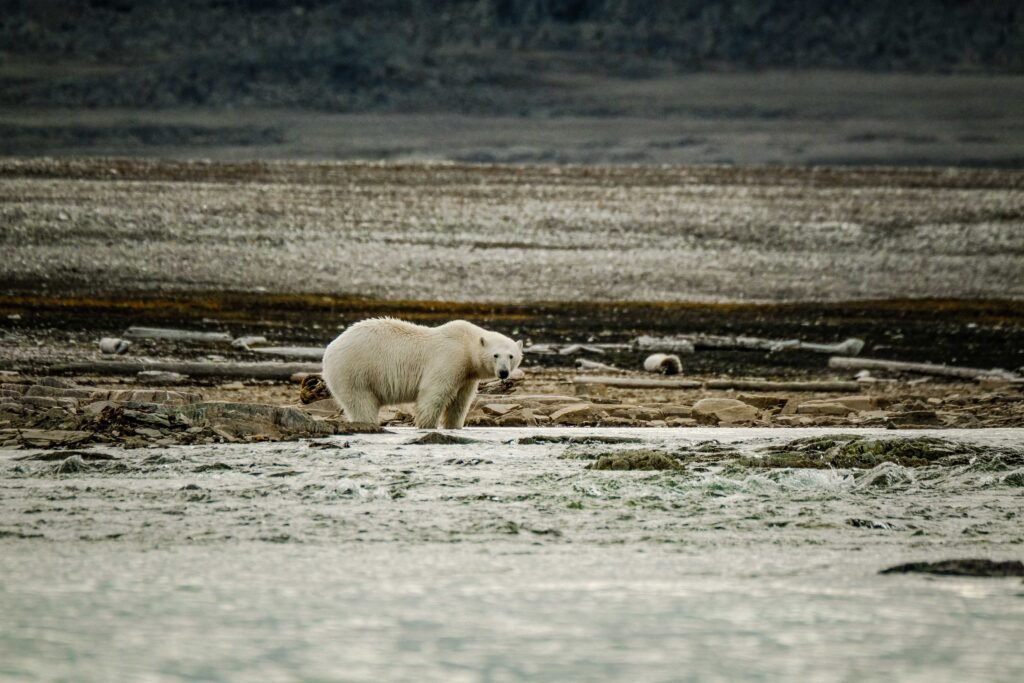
x=455 y=414
x=433 y=398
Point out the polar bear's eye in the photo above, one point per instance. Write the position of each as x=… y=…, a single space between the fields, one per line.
x=495 y=356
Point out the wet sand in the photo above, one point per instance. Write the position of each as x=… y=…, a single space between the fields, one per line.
x=508 y=234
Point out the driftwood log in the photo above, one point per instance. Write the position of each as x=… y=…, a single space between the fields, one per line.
x=633 y=383
x=743 y=385
x=759 y=385
x=275 y=371
x=920 y=368
x=178 y=335
x=585 y=364
x=686 y=344
x=663 y=363
x=303 y=352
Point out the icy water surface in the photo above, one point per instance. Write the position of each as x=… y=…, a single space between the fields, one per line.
x=368 y=558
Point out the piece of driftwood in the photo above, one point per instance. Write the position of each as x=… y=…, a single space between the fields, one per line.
x=743 y=385
x=633 y=383
x=245 y=342
x=114 y=345
x=686 y=344
x=541 y=350
x=920 y=368
x=276 y=371
x=585 y=364
x=303 y=352
x=503 y=386
x=573 y=349
x=313 y=388
x=179 y=335
x=663 y=363
x=759 y=385
x=676 y=345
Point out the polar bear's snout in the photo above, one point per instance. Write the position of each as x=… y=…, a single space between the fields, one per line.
x=503 y=374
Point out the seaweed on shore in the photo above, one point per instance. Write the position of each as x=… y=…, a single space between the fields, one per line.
x=848 y=451
x=631 y=459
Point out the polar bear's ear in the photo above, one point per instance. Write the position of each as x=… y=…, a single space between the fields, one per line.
x=520 y=344
x=483 y=342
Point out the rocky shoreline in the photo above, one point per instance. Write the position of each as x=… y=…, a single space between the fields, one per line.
x=62 y=413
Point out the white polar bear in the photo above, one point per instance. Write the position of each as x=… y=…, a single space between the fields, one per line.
x=383 y=361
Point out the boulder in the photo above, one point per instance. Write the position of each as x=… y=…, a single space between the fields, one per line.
x=723 y=411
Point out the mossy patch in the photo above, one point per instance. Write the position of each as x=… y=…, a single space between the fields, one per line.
x=640 y=459
x=860 y=452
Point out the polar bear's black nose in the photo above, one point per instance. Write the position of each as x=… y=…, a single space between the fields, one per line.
x=503 y=374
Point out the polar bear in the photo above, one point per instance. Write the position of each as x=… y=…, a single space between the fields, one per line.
x=383 y=361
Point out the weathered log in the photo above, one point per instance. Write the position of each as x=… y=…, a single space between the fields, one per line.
x=114 y=345
x=303 y=352
x=688 y=343
x=744 y=385
x=541 y=349
x=665 y=364
x=584 y=364
x=632 y=383
x=759 y=385
x=276 y=371
x=664 y=344
x=573 y=349
x=179 y=335
x=920 y=368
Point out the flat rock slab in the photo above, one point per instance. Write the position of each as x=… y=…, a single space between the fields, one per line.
x=723 y=411
x=968 y=567
x=439 y=439
x=574 y=439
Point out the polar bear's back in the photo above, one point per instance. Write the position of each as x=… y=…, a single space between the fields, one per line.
x=386 y=357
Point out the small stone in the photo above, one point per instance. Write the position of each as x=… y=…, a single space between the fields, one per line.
x=96 y=407
x=823 y=408
x=499 y=409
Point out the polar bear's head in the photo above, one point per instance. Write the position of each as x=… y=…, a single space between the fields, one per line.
x=499 y=355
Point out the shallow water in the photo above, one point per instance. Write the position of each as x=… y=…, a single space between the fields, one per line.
x=495 y=561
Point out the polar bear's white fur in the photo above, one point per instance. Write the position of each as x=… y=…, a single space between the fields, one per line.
x=383 y=361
